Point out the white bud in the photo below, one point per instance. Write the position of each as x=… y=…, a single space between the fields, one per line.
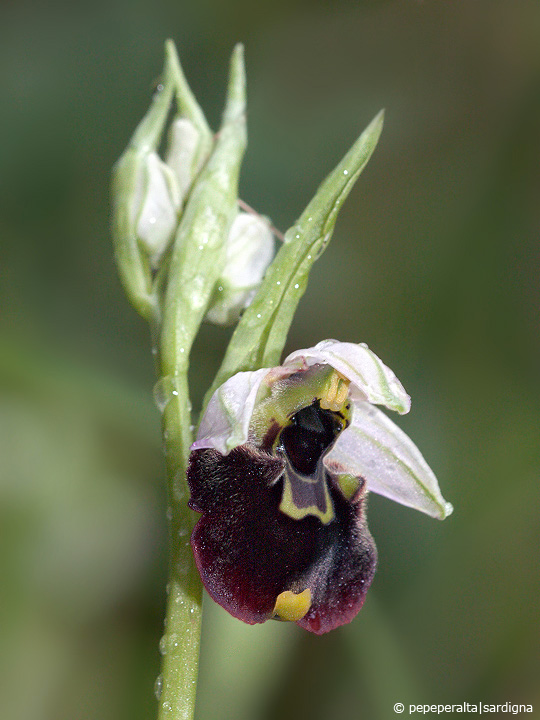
x=249 y=251
x=184 y=153
x=155 y=206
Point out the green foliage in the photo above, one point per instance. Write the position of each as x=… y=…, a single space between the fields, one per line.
x=434 y=263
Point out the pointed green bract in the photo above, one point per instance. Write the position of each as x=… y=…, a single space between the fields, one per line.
x=260 y=336
x=198 y=253
x=188 y=106
x=189 y=110
x=133 y=262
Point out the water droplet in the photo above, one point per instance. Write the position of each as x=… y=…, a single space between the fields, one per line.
x=152 y=220
x=154 y=350
x=310 y=219
x=345 y=172
x=296 y=286
x=179 y=490
x=201 y=247
x=163 y=391
x=182 y=566
x=259 y=315
x=297 y=236
x=163 y=645
x=160 y=87
x=220 y=289
x=278 y=282
x=309 y=257
x=158 y=686
x=183 y=531
x=169 y=513
x=166 y=707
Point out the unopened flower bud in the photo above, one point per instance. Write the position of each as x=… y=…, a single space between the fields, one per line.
x=184 y=156
x=249 y=251
x=155 y=206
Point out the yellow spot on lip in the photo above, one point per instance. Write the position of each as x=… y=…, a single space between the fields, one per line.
x=349 y=485
x=291 y=606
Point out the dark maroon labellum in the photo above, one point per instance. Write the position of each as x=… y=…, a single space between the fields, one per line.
x=248 y=551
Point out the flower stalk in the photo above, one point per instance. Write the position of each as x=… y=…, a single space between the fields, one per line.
x=192 y=273
x=171 y=289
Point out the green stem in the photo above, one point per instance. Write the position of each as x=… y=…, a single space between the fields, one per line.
x=174 y=301
x=180 y=643
x=195 y=262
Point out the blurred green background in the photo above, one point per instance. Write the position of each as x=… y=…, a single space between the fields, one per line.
x=434 y=263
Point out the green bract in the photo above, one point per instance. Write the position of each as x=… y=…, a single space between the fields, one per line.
x=261 y=333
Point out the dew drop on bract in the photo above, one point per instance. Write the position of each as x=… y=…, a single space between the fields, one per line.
x=182 y=566
x=163 y=644
x=158 y=687
x=165 y=389
x=163 y=392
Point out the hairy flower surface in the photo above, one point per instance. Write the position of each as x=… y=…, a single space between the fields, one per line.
x=281 y=468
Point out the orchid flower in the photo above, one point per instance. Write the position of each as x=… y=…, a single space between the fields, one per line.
x=281 y=469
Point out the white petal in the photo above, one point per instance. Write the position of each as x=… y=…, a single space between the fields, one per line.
x=182 y=151
x=158 y=218
x=228 y=305
x=225 y=424
x=250 y=247
x=249 y=251
x=374 y=448
x=370 y=378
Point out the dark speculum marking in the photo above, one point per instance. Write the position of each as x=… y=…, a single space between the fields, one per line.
x=311 y=432
x=303 y=444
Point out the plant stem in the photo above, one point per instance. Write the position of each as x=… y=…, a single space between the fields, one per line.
x=180 y=643
x=195 y=262
x=174 y=301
